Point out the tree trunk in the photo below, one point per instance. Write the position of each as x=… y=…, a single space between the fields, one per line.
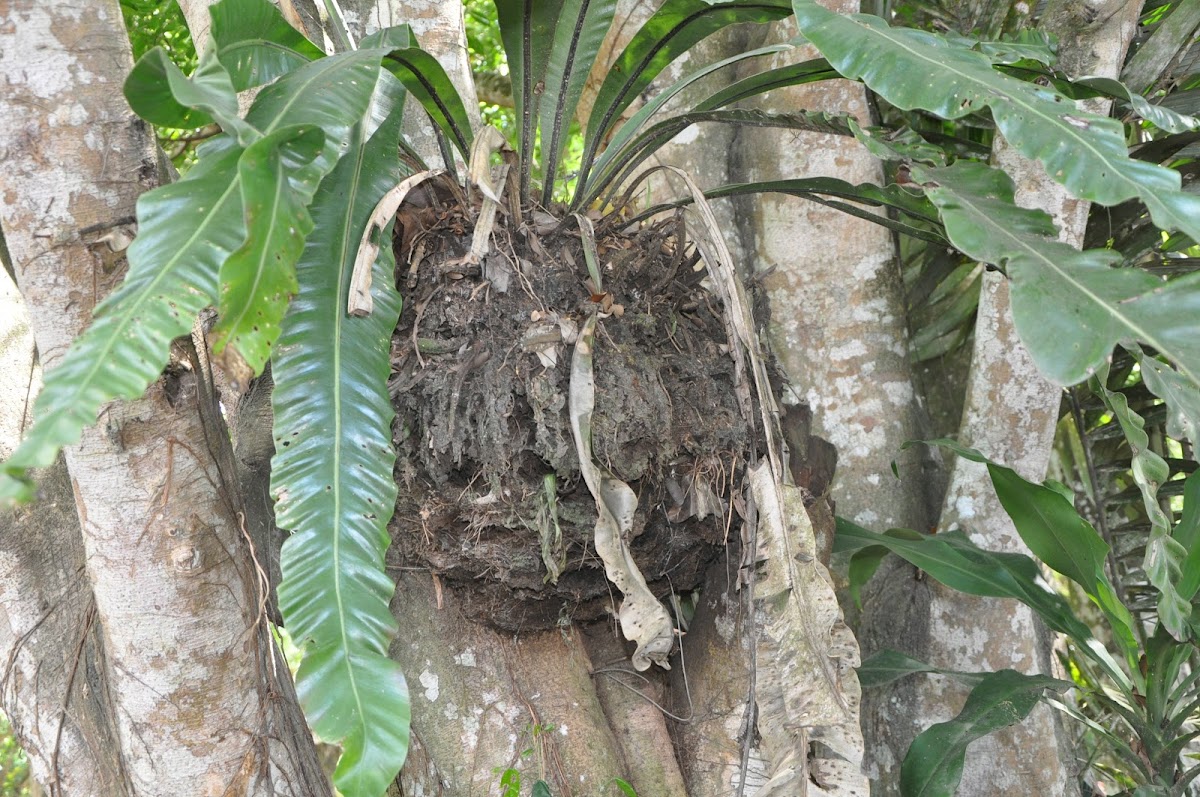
x=55 y=688
x=1010 y=415
x=187 y=655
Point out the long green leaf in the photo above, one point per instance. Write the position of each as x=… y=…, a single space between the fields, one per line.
x=425 y=78
x=815 y=189
x=615 y=155
x=668 y=34
x=332 y=477
x=528 y=31
x=613 y=172
x=888 y=666
x=951 y=558
x=914 y=69
x=162 y=95
x=256 y=44
x=1096 y=305
x=577 y=38
x=1164 y=555
x=934 y=764
x=1050 y=526
x=1160 y=116
x=172 y=276
x=1187 y=534
x=791 y=75
x=1054 y=532
x=259 y=278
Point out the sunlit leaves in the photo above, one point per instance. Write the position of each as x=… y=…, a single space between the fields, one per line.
x=161 y=94
x=172 y=276
x=674 y=28
x=256 y=44
x=186 y=232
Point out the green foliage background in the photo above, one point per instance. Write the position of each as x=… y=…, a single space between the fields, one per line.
x=14 y=768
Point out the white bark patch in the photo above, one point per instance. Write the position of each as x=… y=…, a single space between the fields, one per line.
x=899 y=393
x=470 y=730
x=466 y=658
x=687 y=136
x=964 y=507
x=429 y=680
x=848 y=351
x=867 y=518
x=24 y=62
x=20 y=377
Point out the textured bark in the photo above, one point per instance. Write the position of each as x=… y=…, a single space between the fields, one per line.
x=481 y=698
x=1010 y=416
x=186 y=653
x=634 y=705
x=53 y=686
x=837 y=306
x=714 y=695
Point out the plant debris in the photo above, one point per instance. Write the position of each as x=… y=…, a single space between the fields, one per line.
x=480 y=377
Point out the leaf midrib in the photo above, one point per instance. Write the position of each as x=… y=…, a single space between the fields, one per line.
x=339 y=320
x=145 y=293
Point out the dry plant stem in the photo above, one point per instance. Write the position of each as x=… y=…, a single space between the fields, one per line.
x=359 y=302
x=843 y=352
x=806 y=652
x=643 y=618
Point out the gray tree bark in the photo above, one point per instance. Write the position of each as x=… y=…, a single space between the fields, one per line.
x=54 y=687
